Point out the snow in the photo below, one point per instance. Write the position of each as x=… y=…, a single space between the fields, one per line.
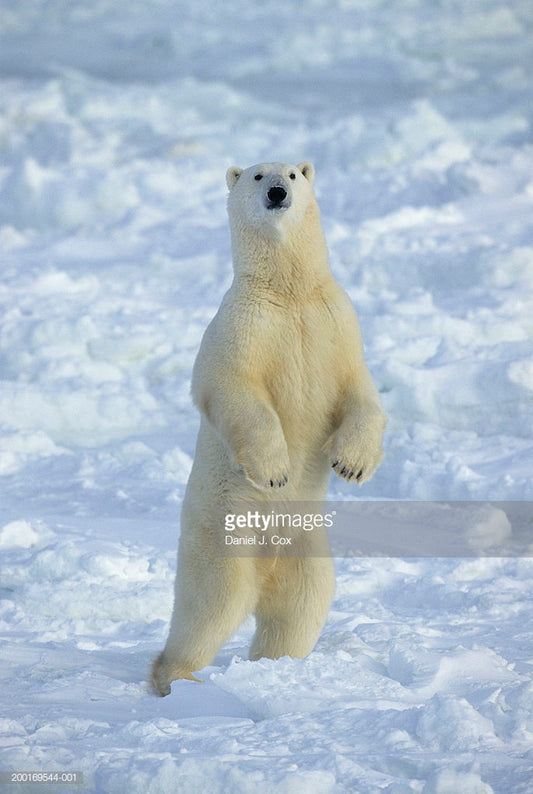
x=117 y=123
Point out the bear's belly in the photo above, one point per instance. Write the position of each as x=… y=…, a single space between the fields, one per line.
x=305 y=400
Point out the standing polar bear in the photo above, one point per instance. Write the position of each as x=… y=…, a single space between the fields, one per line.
x=284 y=396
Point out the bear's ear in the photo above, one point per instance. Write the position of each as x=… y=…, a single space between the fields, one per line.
x=308 y=170
x=232 y=175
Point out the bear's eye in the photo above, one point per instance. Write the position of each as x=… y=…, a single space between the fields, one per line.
x=257 y=177
x=292 y=175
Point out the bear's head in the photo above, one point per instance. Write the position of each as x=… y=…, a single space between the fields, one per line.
x=269 y=195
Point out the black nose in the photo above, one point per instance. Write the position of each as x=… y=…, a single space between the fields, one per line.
x=277 y=194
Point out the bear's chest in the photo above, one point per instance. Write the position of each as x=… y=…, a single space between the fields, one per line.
x=299 y=361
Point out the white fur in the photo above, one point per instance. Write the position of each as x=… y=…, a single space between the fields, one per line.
x=284 y=396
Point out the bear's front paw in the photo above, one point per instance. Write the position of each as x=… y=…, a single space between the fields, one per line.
x=354 y=449
x=355 y=461
x=266 y=479
x=357 y=468
x=345 y=470
x=266 y=471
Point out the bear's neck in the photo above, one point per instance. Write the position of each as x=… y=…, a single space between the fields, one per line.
x=291 y=265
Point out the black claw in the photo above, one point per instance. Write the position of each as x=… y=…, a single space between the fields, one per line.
x=271 y=483
x=343 y=470
x=359 y=475
x=349 y=477
x=335 y=464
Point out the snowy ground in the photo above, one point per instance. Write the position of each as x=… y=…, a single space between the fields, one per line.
x=117 y=123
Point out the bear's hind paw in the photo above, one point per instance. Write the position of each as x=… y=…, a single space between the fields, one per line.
x=163 y=673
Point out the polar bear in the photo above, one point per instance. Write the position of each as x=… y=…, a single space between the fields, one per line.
x=284 y=396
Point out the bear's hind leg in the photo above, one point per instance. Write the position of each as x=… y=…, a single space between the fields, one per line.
x=203 y=619
x=292 y=608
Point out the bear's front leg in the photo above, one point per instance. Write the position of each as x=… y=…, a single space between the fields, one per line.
x=355 y=448
x=252 y=432
x=261 y=454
